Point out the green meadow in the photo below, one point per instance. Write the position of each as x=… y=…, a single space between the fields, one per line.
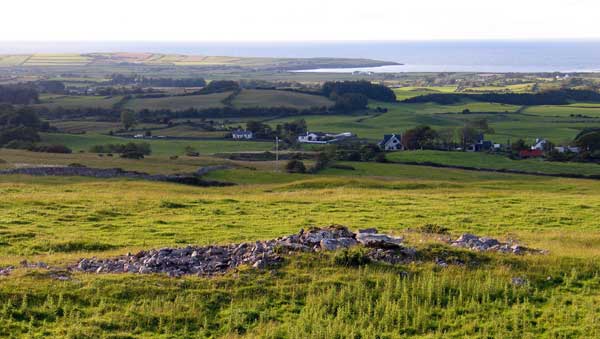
x=59 y=220
x=83 y=142
x=496 y=162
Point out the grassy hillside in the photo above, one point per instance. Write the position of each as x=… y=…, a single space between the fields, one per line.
x=273 y=98
x=59 y=220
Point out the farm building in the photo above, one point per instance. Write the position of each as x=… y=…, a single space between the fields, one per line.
x=391 y=142
x=567 y=149
x=242 y=135
x=540 y=144
x=480 y=145
x=323 y=138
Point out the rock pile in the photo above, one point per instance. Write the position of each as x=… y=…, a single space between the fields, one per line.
x=4 y=271
x=210 y=260
x=483 y=244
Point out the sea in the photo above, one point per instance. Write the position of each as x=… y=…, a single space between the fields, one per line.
x=494 y=56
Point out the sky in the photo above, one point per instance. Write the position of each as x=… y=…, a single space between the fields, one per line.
x=305 y=20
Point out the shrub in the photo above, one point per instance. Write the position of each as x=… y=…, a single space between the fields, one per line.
x=19 y=144
x=171 y=204
x=343 y=167
x=433 y=229
x=352 y=258
x=323 y=160
x=295 y=166
x=142 y=148
x=57 y=148
x=381 y=158
x=132 y=154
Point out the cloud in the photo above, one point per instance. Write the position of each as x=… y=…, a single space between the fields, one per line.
x=243 y=20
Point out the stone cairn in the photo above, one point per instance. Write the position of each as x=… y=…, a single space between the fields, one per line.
x=210 y=260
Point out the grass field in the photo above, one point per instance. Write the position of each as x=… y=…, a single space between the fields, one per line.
x=178 y=103
x=92 y=126
x=403 y=93
x=187 y=131
x=59 y=220
x=57 y=60
x=498 y=162
x=72 y=102
x=273 y=98
x=159 y=147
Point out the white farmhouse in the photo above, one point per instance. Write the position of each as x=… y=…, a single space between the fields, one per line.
x=391 y=142
x=323 y=138
x=242 y=135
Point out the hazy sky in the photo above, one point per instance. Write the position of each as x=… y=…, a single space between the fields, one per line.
x=270 y=20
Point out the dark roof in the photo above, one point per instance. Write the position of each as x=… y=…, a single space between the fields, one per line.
x=387 y=138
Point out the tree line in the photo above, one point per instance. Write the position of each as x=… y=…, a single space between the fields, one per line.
x=19 y=94
x=556 y=97
x=124 y=79
x=370 y=90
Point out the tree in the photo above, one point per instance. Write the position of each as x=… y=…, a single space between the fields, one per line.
x=369 y=152
x=366 y=88
x=20 y=125
x=260 y=130
x=128 y=119
x=519 y=145
x=480 y=125
x=468 y=135
x=419 y=137
x=589 y=141
x=446 y=137
x=218 y=86
x=322 y=161
x=350 y=102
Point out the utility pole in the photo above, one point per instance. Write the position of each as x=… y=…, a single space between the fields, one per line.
x=276 y=154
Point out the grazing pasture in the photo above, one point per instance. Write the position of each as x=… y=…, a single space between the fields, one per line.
x=159 y=147
x=274 y=98
x=178 y=103
x=495 y=162
x=59 y=220
x=78 y=101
